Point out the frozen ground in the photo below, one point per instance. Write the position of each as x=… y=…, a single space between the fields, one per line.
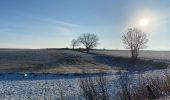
x=38 y=89
x=165 y=98
x=48 y=86
x=15 y=86
x=41 y=87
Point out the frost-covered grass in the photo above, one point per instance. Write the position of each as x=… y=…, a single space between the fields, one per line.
x=51 y=86
x=144 y=86
x=42 y=89
x=65 y=85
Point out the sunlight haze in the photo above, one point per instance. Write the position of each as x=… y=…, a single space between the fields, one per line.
x=54 y=23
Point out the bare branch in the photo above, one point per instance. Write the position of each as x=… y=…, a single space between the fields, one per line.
x=89 y=40
x=74 y=43
x=135 y=40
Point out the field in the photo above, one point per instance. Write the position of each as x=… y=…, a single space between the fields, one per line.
x=69 y=61
x=51 y=72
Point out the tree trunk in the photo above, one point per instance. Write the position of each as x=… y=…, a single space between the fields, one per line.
x=134 y=54
x=73 y=48
x=88 y=50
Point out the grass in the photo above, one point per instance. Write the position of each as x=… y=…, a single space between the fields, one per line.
x=69 y=61
x=94 y=88
x=142 y=88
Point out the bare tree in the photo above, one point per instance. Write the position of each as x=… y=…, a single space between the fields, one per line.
x=89 y=40
x=135 y=40
x=74 y=43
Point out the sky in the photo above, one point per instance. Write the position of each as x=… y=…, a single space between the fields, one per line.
x=54 y=23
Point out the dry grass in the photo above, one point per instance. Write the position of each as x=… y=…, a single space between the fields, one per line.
x=68 y=61
x=144 y=87
x=94 y=88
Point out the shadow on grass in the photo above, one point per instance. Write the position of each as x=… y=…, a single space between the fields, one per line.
x=124 y=63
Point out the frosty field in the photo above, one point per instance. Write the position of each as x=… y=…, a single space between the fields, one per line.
x=48 y=87
x=52 y=72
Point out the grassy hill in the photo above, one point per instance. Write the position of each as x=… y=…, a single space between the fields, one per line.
x=70 y=61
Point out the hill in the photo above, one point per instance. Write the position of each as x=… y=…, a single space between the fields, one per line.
x=78 y=61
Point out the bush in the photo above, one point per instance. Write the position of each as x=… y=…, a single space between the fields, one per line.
x=143 y=87
x=94 y=88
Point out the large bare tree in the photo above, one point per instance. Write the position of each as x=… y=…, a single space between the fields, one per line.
x=74 y=43
x=135 y=40
x=89 y=40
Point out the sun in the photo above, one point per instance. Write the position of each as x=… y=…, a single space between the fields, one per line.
x=144 y=22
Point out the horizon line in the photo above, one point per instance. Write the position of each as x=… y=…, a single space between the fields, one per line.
x=78 y=48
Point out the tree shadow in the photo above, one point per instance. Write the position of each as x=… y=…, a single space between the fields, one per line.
x=140 y=65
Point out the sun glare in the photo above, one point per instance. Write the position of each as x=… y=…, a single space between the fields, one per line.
x=143 y=22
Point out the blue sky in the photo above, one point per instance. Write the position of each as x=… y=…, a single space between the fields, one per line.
x=54 y=23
